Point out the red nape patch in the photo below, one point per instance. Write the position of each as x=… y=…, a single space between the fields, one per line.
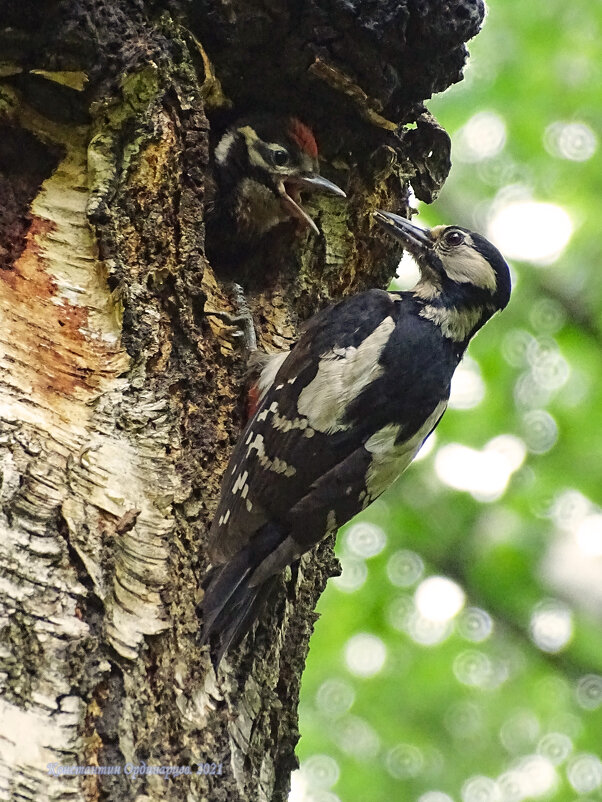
x=252 y=401
x=303 y=136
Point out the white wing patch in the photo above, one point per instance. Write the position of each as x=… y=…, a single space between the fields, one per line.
x=256 y=445
x=277 y=465
x=241 y=482
x=342 y=374
x=268 y=374
x=390 y=460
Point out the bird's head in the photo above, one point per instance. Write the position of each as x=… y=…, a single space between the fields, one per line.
x=270 y=161
x=456 y=264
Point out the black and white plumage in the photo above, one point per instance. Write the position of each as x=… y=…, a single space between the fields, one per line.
x=261 y=165
x=342 y=415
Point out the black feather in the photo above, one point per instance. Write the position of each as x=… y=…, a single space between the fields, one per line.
x=231 y=603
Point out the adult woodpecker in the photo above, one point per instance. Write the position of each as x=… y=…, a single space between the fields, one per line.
x=342 y=415
x=261 y=165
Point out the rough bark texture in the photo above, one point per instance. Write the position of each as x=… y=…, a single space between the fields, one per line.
x=120 y=399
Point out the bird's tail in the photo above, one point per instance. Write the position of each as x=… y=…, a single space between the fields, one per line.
x=232 y=604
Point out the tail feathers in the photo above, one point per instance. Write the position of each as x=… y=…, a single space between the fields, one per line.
x=237 y=619
x=231 y=604
x=221 y=585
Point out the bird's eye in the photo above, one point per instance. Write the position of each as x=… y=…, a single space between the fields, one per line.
x=454 y=238
x=280 y=157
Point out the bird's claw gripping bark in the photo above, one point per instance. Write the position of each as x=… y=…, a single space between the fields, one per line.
x=241 y=320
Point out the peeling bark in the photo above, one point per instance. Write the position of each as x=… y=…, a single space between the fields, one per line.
x=120 y=399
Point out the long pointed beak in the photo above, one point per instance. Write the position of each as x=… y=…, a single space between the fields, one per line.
x=414 y=238
x=318 y=183
x=313 y=182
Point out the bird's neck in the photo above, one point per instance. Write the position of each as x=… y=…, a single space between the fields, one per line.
x=257 y=208
x=253 y=207
x=458 y=310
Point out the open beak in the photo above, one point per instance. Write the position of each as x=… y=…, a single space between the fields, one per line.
x=416 y=240
x=312 y=182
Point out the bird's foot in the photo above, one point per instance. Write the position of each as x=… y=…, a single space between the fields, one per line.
x=242 y=319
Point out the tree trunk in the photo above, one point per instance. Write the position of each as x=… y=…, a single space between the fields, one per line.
x=120 y=399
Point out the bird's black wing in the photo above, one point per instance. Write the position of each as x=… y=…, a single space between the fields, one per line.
x=313 y=454
x=300 y=432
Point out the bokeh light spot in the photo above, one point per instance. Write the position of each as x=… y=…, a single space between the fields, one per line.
x=584 y=772
x=550 y=369
x=589 y=535
x=356 y=738
x=555 y=746
x=400 y=612
x=404 y=761
x=539 y=430
x=589 y=692
x=485 y=474
x=511 y=786
x=551 y=626
x=335 y=697
x=365 y=539
x=474 y=668
x=482 y=137
x=531 y=231
x=365 y=654
x=570 y=508
x=481 y=789
x=435 y=796
x=547 y=315
x=321 y=771
x=474 y=624
x=574 y=141
x=515 y=346
x=404 y=568
x=467 y=386
x=520 y=731
x=439 y=599
x=537 y=776
x=302 y=791
x=427 y=632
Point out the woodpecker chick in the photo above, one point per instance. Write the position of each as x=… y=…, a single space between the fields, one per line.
x=341 y=415
x=262 y=164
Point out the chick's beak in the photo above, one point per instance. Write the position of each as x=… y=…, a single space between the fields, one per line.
x=318 y=183
x=312 y=182
x=294 y=209
x=415 y=239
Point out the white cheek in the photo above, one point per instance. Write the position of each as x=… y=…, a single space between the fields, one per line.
x=223 y=148
x=467 y=266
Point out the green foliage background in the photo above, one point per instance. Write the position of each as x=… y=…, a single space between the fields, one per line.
x=507 y=703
